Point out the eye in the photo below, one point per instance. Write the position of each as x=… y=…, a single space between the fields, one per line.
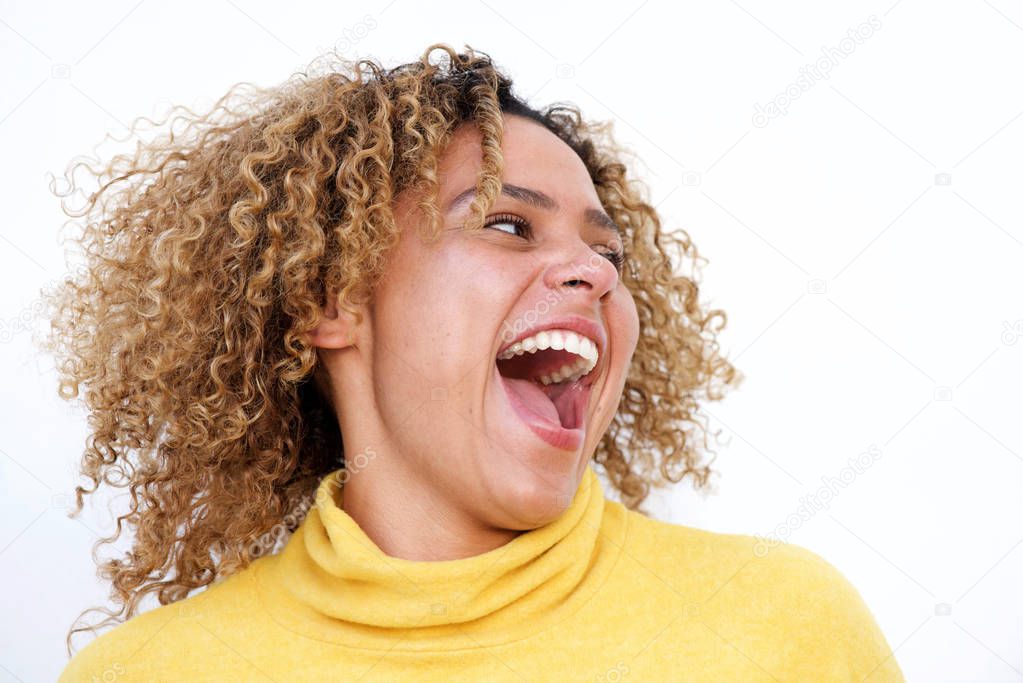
x=517 y=224
x=522 y=228
x=616 y=255
x=617 y=258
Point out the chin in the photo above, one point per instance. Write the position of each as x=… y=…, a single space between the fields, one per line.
x=526 y=499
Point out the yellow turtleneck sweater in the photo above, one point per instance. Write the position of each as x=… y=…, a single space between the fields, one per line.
x=600 y=594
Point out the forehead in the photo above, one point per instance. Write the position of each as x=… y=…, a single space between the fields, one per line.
x=533 y=157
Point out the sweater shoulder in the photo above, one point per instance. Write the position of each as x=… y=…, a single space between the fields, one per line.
x=168 y=638
x=669 y=547
x=782 y=597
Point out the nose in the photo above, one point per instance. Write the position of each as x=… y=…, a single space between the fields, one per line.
x=581 y=272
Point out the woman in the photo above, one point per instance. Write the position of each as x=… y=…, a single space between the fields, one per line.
x=403 y=311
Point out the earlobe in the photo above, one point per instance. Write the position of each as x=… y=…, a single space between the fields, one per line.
x=336 y=328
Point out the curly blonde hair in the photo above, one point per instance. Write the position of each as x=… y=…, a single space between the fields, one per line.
x=209 y=254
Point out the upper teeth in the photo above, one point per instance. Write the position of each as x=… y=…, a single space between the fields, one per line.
x=568 y=340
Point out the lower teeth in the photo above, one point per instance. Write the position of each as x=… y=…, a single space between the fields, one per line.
x=550 y=379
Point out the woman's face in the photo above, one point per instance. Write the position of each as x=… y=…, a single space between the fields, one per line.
x=423 y=387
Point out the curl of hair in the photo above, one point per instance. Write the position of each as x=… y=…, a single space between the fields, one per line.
x=209 y=253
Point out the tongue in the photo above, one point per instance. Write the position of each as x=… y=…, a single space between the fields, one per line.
x=530 y=393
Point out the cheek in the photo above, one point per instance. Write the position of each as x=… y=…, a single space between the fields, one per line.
x=625 y=321
x=439 y=308
x=405 y=308
x=623 y=327
x=409 y=327
x=491 y=283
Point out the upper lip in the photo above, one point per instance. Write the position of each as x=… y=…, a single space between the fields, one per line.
x=577 y=323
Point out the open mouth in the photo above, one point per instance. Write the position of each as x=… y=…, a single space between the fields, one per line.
x=548 y=377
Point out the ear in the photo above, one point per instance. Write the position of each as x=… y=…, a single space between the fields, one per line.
x=338 y=327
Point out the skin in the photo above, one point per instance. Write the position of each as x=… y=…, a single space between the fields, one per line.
x=447 y=470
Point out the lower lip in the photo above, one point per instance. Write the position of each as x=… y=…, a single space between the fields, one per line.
x=556 y=436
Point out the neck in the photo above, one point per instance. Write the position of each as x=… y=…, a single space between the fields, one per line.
x=398 y=508
x=407 y=518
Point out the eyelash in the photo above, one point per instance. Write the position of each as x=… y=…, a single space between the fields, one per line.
x=617 y=258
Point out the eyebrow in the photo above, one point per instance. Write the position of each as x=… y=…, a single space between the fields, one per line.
x=539 y=200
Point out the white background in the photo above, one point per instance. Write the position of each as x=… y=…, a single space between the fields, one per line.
x=866 y=246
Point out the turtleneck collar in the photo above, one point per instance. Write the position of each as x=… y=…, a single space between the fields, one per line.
x=332 y=582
